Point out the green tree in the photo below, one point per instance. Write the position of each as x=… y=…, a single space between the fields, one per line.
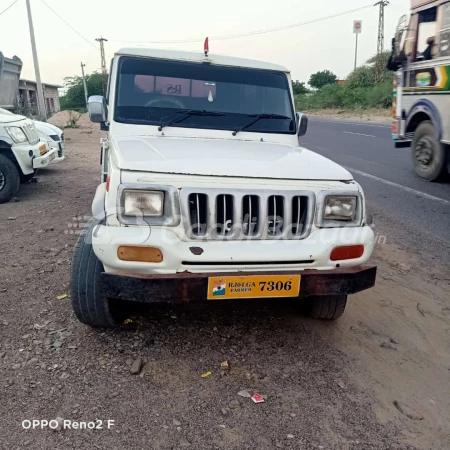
x=364 y=76
x=320 y=79
x=74 y=97
x=299 y=87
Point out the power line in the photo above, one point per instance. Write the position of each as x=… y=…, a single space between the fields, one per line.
x=10 y=6
x=251 y=33
x=68 y=24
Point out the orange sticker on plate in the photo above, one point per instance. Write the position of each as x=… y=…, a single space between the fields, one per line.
x=253 y=286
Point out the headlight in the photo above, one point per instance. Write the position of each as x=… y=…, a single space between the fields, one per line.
x=150 y=203
x=17 y=135
x=340 y=208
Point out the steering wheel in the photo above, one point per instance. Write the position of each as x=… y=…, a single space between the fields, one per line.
x=166 y=102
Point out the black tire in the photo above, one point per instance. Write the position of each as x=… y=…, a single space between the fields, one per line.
x=27 y=178
x=428 y=154
x=327 y=307
x=89 y=305
x=9 y=179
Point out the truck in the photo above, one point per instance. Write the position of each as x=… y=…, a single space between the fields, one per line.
x=22 y=151
x=10 y=69
x=421 y=101
x=207 y=195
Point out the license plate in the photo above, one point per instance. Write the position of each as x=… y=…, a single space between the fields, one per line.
x=253 y=286
x=51 y=157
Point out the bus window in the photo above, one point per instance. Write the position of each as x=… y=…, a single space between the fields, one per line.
x=427 y=35
x=444 y=44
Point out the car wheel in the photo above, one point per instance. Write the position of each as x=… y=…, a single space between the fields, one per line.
x=9 y=179
x=428 y=154
x=91 y=307
x=327 y=307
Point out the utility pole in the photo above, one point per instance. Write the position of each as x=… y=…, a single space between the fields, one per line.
x=40 y=97
x=379 y=69
x=84 y=83
x=102 y=54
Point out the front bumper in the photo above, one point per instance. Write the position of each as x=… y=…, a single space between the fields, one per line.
x=227 y=256
x=43 y=161
x=186 y=287
x=59 y=147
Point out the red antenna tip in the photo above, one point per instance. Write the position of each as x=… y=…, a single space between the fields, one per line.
x=206 y=46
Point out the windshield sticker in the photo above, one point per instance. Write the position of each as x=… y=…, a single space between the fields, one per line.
x=181 y=87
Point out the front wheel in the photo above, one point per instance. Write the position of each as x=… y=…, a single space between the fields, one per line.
x=327 y=307
x=9 y=179
x=91 y=307
x=428 y=154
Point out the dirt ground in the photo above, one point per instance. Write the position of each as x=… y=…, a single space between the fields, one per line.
x=379 y=378
x=378 y=116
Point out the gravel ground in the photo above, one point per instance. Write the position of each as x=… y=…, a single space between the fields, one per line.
x=378 y=116
x=376 y=379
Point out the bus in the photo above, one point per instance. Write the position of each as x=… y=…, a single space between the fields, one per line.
x=421 y=101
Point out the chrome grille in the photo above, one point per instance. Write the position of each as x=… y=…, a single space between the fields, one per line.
x=31 y=133
x=213 y=214
x=198 y=211
x=250 y=213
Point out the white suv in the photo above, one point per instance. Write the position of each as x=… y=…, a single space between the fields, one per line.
x=47 y=132
x=208 y=195
x=21 y=153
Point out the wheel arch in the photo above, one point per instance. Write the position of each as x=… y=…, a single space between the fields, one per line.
x=422 y=111
x=7 y=150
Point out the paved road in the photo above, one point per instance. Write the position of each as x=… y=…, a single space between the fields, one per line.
x=416 y=211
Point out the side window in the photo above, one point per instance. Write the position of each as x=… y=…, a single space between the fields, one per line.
x=444 y=41
x=427 y=35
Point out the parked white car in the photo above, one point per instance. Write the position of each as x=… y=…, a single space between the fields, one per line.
x=209 y=195
x=22 y=152
x=50 y=133
x=54 y=137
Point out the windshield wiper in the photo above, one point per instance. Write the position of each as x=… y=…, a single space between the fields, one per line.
x=256 y=118
x=184 y=114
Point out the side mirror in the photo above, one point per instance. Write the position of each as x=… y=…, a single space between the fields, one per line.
x=302 y=124
x=97 y=109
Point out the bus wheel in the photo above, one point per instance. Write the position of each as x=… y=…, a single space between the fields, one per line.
x=428 y=153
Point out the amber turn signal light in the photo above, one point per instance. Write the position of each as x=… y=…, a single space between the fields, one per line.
x=347 y=252
x=42 y=149
x=139 y=254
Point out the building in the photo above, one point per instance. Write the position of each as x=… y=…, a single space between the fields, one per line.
x=28 y=96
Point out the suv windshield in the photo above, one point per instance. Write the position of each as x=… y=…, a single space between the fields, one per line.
x=202 y=95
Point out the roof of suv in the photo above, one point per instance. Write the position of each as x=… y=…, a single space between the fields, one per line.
x=200 y=57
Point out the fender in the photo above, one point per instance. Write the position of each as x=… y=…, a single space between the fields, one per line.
x=18 y=157
x=6 y=139
x=98 y=204
x=428 y=108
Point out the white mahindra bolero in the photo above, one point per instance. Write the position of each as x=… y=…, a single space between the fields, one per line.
x=207 y=195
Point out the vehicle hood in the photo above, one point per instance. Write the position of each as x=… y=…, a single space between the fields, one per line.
x=47 y=128
x=221 y=157
x=9 y=118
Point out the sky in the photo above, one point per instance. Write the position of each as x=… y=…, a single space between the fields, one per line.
x=329 y=44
